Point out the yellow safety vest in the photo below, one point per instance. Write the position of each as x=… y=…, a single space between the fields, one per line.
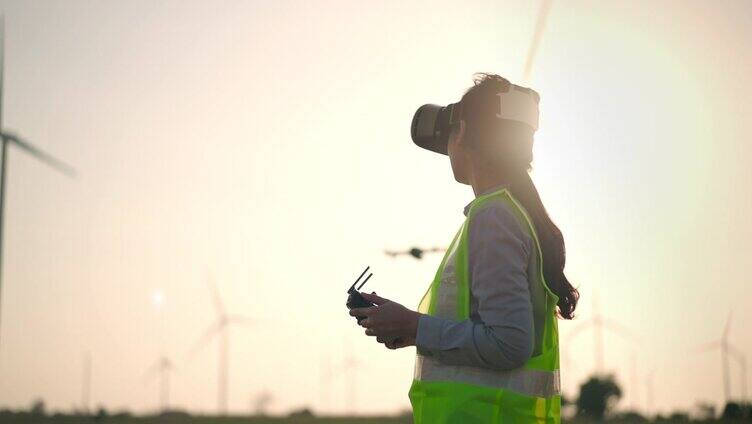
x=443 y=393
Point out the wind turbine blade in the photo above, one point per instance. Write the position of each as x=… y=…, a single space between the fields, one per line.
x=216 y=299
x=707 y=347
x=206 y=337
x=241 y=319
x=540 y=26
x=619 y=329
x=41 y=155
x=152 y=371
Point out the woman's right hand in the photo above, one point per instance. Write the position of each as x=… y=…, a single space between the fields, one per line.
x=397 y=343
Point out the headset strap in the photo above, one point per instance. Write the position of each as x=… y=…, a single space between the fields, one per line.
x=516 y=104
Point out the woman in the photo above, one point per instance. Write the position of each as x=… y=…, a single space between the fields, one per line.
x=486 y=331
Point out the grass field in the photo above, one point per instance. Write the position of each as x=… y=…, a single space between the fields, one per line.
x=25 y=418
x=68 y=419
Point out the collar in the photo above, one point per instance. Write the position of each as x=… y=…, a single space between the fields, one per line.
x=486 y=193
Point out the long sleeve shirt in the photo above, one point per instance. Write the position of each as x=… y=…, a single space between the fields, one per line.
x=499 y=333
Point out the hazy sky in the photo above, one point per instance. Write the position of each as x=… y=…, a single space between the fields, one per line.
x=265 y=146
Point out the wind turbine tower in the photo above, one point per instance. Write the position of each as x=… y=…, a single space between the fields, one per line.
x=8 y=138
x=220 y=329
x=741 y=359
x=162 y=368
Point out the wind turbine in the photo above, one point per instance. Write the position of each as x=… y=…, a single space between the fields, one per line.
x=220 y=328
x=599 y=323
x=727 y=349
x=9 y=138
x=162 y=368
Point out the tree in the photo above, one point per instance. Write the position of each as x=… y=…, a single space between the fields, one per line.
x=705 y=411
x=597 y=396
x=38 y=407
x=733 y=411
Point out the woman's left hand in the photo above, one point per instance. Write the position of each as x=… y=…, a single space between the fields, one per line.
x=391 y=323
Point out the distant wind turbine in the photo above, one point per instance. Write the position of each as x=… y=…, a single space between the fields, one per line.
x=599 y=323
x=8 y=138
x=727 y=349
x=162 y=369
x=220 y=328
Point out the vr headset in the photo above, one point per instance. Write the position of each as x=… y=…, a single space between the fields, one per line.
x=432 y=123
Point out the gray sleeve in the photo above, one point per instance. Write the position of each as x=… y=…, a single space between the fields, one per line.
x=499 y=333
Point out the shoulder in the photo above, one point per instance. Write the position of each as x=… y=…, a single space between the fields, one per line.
x=496 y=221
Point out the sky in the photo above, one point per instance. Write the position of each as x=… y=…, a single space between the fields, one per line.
x=263 y=148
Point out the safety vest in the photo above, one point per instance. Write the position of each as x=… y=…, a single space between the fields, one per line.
x=443 y=393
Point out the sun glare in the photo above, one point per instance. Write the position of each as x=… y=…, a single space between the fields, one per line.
x=157 y=298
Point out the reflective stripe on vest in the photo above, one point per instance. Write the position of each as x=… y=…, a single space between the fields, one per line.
x=528 y=382
x=448 y=297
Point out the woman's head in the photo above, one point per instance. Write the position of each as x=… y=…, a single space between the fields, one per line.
x=481 y=140
x=480 y=144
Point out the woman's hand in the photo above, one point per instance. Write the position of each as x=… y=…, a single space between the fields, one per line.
x=391 y=323
x=396 y=343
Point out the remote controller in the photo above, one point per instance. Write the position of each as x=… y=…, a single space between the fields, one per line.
x=355 y=299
